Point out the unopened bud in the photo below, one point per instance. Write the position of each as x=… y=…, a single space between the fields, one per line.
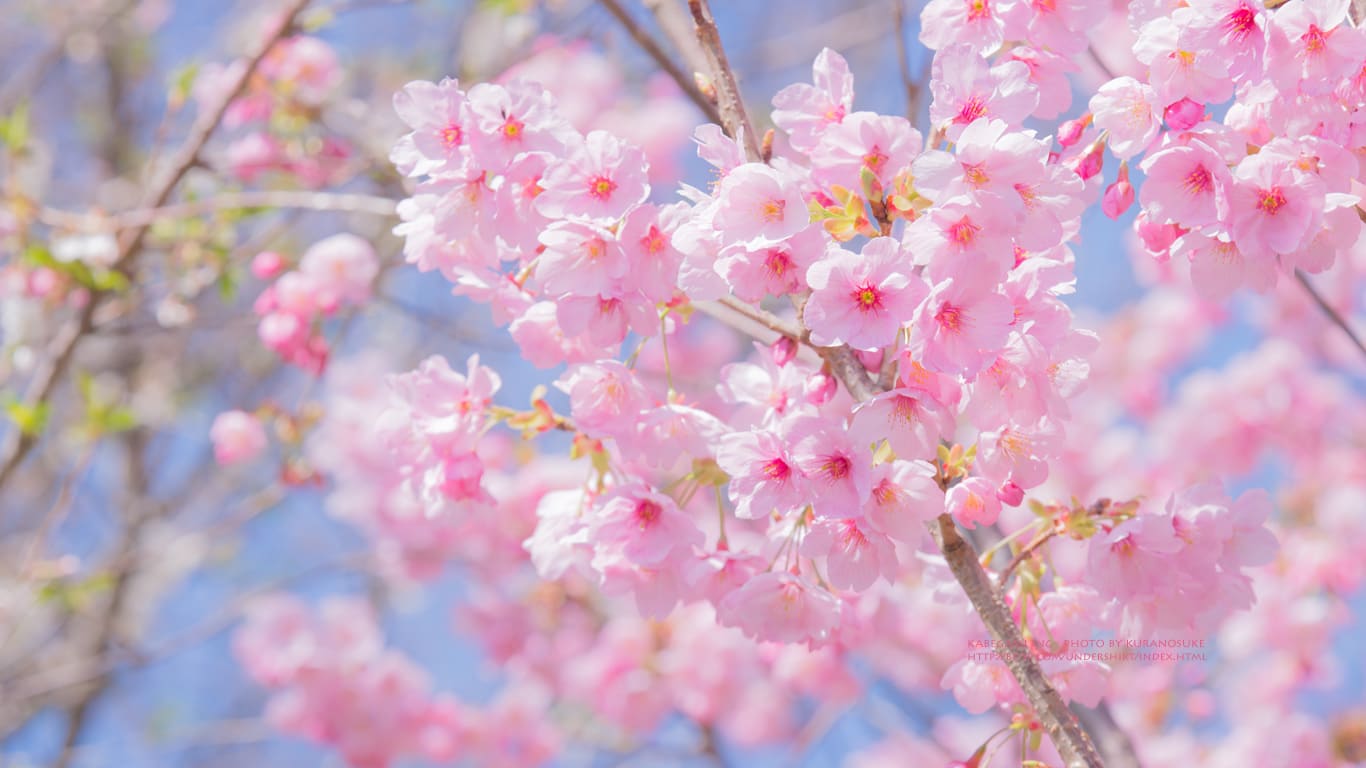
x=1120 y=195
x=783 y=350
x=1183 y=114
x=1010 y=494
x=1070 y=132
x=820 y=388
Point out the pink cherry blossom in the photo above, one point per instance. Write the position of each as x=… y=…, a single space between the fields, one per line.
x=601 y=180
x=856 y=554
x=806 y=111
x=781 y=607
x=961 y=325
x=237 y=437
x=861 y=300
x=764 y=478
x=1130 y=112
x=758 y=203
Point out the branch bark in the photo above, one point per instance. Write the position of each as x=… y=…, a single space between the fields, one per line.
x=661 y=57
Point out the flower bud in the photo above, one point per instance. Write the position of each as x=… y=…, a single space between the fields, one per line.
x=267 y=265
x=820 y=388
x=1010 y=494
x=783 y=349
x=1070 y=132
x=1118 y=196
x=1184 y=114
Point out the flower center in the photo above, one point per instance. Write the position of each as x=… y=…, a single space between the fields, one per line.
x=978 y=10
x=601 y=187
x=1272 y=200
x=776 y=469
x=949 y=317
x=1187 y=58
x=1198 y=181
x=875 y=158
x=963 y=232
x=868 y=298
x=850 y=535
x=1241 y=22
x=1315 y=42
x=647 y=512
x=451 y=136
x=777 y=262
x=772 y=210
x=975 y=174
x=835 y=467
x=972 y=109
x=654 y=241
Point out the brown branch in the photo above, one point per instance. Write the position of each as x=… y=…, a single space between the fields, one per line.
x=1073 y=743
x=1115 y=745
x=338 y=202
x=908 y=81
x=732 y=108
x=1332 y=314
x=662 y=58
x=1029 y=549
x=44 y=381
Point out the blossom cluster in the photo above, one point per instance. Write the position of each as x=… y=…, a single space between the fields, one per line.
x=294 y=81
x=1268 y=188
x=334 y=272
x=335 y=682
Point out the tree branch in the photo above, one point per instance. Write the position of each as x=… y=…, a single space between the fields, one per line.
x=338 y=202
x=1332 y=314
x=662 y=59
x=1073 y=744
x=732 y=108
x=44 y=381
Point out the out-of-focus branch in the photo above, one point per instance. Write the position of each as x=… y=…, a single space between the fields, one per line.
x=63 y=346
x=661 y=58
x=674 y=20
x=1332 y=314
x=1114 y=744
x=338 y=202
x=908 y=81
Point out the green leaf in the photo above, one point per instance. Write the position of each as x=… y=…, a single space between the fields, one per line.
x=14 y=128
x=30 y=419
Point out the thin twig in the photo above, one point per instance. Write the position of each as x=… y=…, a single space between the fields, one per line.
x=908 y=82
x=1332 y=314
x=661 y=57
x=338 y=202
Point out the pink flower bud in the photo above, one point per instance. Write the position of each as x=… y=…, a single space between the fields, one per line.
x=1183 y=114
x=1090 y=164
x=267 y=265
x=783 y=350
x=237 y=436
x=1070 y=132
x=1118 y=196
x=820 y=388
x=1157 y=238
x=1010 y=494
